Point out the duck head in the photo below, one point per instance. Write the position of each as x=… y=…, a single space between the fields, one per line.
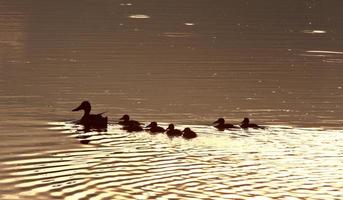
x=125 y=118
x=187 y=130
x=245 y=121
x=86 y=106
x=171 y=127
x=152 y=125
x=219 y=121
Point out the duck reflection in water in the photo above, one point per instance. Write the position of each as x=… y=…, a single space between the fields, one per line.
x=91 y=121
x=172 y=132
x=154 y=128
x=188 y=134
x=221 y=125
x=245 y=124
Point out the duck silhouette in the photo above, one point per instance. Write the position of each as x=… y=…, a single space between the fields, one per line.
x=154 y=128
x=91 y=120
x=188 y=134
x=132 y=127
x=172 y=132
x=245 y=124
x=125 y=120
x=221 y=125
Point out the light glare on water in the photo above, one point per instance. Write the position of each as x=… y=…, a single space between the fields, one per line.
x=184 y=62
x=276 y=163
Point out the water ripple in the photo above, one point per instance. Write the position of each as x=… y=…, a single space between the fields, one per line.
x=277 y=163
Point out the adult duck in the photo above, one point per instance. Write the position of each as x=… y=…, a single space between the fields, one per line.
x=221 y=125
x=188 y=134
x=154 y=128
x=172 y=132
x=91 y=120
x=246 y=124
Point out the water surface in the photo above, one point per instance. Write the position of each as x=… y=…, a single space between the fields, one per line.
x=186 y=62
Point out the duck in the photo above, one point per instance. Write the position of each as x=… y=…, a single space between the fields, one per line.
x=188 y=134
x=125 y=121
x=132 y=127
x=91 y=120
x=172 y=132
x=221 y=125
x=154 y=128
x=245 y=124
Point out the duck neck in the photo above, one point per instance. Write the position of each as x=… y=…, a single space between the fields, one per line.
x=87 y=112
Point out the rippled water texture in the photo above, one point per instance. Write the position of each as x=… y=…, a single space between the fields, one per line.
x=277 y=163
x=187 y=62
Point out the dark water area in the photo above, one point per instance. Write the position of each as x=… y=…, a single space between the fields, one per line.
x=187 y=62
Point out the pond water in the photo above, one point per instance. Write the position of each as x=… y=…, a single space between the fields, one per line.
x=184 y=62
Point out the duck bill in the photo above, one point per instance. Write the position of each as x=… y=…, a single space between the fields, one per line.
x=77 y=109
x=148 y=126
x=121 y=118
x=216 y=122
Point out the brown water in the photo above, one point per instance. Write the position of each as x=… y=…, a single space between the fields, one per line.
x=187 y=62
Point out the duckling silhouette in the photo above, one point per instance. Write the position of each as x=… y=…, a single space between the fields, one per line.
x=246 y=124
x=154 y=128
x=125 y=120
x=132 y=127
x=91 y=120
x=172 y=132
x=188 y=134
x=221 y=125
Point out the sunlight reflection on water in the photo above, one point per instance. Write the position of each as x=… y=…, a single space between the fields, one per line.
x=279 y=162
x=185 y=62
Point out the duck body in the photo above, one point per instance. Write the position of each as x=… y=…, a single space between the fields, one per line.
x=172 y=132
x=221 y=125
x=132 y=127
x=154 y=128
x=188 y=134
x=96 y=120
x=91 y=120
x=125 y=121
x=246 y=124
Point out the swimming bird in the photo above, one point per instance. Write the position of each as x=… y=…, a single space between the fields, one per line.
x=188 y=134
x=154 y=128
x=132 y=127
x=172 y=132
x=221 y=125
x=91 y=120
x=246 y=124
x=125 y=120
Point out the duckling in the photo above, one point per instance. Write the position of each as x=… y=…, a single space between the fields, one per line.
x=132 y=127
x=172 y=132
x=125 y=120
x=246 y=124
x=188 y=134
x=222 y=126
x=91 y=120
x=153 y=128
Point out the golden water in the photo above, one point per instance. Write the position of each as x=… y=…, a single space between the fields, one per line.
x=277 y=163
x=186 y=62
